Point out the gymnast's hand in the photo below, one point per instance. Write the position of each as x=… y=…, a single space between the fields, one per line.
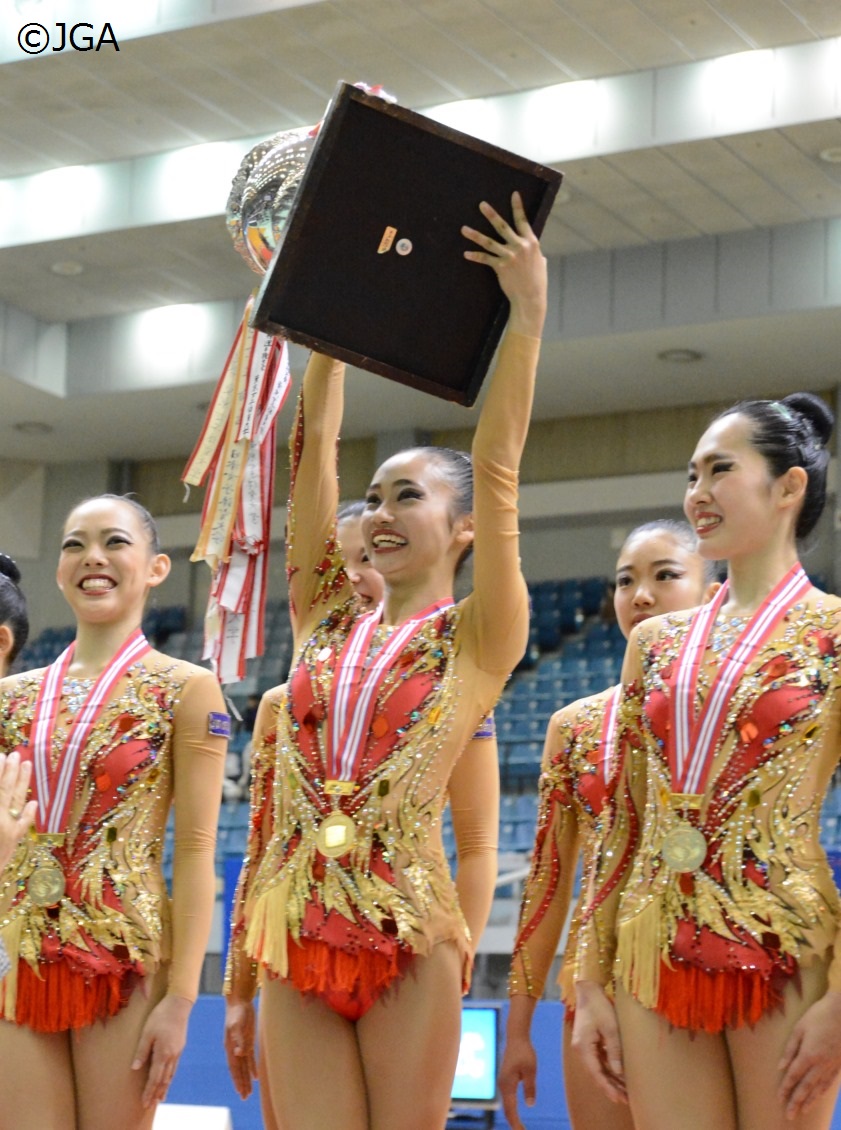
x=239 y=1043
x=595 y=1036
x=812 y=1057
x=16 y=814
x=519 y=1065
x=161 y=1044
x=519 y=264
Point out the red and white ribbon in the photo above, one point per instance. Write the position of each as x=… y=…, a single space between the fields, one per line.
x=696 y=735
x=356 y=685
x=237 y=451
x=55 y=788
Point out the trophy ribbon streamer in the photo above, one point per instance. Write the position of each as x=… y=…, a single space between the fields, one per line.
x=235 y=453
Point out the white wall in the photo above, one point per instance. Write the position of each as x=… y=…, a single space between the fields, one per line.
x=65 y=485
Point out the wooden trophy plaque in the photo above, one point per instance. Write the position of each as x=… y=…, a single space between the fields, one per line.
x=371 y=270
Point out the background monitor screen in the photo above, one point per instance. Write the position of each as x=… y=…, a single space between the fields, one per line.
x=475 y=1079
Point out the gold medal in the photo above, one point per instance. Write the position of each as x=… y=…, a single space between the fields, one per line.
x=335 y=836
x=684 y=848
x=46 y=884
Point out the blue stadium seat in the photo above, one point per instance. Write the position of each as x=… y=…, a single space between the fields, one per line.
x=233 y=814
x=582 y=686
x=523 y=840
x=508 y=807
x=605 y=665
x=502 y=710
x=521 y=690
x=548 y=670
x=572 y=663
x=531 y=655
x=236 y=842
x=549 y=622
x=534 y=727
x=545 y=593
x=593 y=591
x=506 y=728
x=522 y=763
x=526 y=808
x=507 y=835
x=572 y=617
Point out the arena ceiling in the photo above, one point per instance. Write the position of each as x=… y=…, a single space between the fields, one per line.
x=199 y=74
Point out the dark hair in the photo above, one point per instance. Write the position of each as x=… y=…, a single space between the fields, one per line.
x=13 y=605
x=457 y=468
x=793 y=432
x=146 y=519
x=682 y=533
x=350 y=510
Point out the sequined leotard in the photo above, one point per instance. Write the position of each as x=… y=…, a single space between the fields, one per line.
x=392 y=894
x=79 y=961
x=241 y=973
x=572 y=796
x=714 y=947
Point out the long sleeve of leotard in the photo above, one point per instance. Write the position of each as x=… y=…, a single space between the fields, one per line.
x=198 y=769
x=313 y=567
x=240 y=970
x=614 y=853
x=474 y=805
x=496 y=612
x=548 y=889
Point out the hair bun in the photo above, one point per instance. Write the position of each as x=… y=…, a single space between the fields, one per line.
x=9 y=568
x=814 y=409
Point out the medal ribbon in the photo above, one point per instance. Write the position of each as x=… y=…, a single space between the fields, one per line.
x=54 y=804
x=355 y=687
x=696 y=737
x=608 y=743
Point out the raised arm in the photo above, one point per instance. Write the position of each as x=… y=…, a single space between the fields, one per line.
x=543 y=910
x=313 y=563
x=199 y=762
x=240 y=986
x=498 y=605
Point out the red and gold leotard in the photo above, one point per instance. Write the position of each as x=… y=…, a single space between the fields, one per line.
x=713 y=947
x=573 y=792
x=242 y=974
x=391 y=895
x=78 y=960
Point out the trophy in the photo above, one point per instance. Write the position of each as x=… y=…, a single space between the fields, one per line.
x=365 y=241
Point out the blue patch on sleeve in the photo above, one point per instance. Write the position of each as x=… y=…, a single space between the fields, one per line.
x=487 y=728
x=219 y=724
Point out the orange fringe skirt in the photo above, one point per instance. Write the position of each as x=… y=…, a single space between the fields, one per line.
x=710 y=1001
x=58 y=997
x=349 y=983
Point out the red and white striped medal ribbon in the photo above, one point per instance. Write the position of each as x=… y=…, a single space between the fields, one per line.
x=356 y=686
x=55 y=787
x=695 y=738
